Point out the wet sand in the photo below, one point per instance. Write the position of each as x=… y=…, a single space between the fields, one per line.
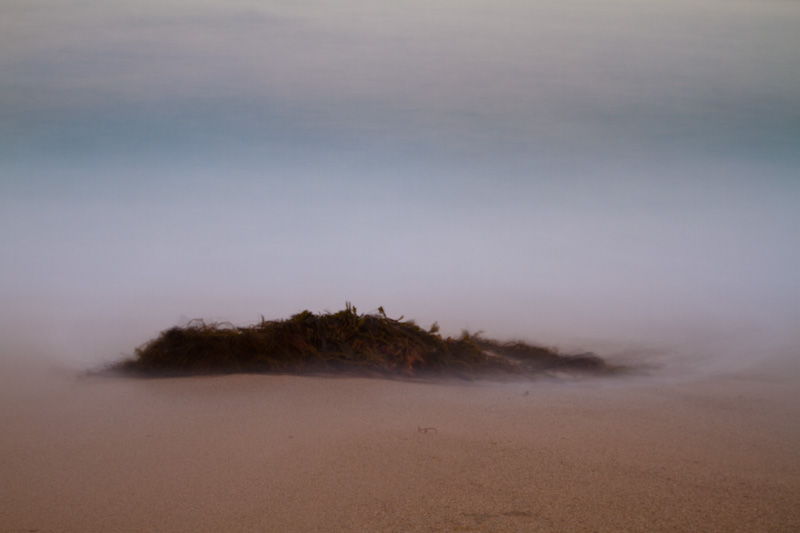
x=288 y=453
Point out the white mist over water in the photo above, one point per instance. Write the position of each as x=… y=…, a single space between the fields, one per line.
x=603 y=175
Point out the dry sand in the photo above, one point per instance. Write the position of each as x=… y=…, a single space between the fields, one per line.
x=287 y=453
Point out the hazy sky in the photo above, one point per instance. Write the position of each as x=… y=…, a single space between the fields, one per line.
x=553 y=170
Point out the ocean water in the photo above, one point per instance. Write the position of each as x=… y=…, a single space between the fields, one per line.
x=618 y=175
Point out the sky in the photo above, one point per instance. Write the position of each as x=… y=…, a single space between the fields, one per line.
x=565 y=172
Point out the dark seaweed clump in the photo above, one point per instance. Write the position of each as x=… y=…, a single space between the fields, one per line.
x=343 y=341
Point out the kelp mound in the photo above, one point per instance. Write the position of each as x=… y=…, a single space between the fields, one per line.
x=341 y=341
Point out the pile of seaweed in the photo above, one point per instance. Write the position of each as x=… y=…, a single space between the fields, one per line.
x=343 y=341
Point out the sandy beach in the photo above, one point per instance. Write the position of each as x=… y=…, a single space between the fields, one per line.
x=289 y=453
x=613 y=181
